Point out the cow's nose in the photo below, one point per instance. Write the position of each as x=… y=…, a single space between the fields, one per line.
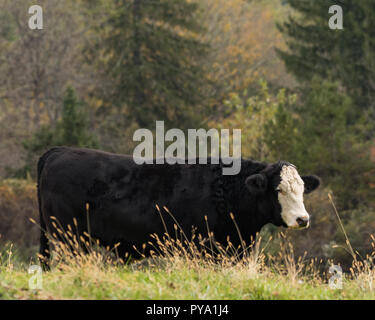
x=302 y=222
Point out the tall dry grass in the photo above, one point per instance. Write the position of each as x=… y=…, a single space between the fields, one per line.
x=72 y=251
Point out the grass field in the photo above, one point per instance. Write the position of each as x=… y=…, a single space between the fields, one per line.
x=183 y=276
x=179 y=282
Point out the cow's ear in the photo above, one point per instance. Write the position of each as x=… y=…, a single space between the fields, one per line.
x=256 y=183
x=311 y=183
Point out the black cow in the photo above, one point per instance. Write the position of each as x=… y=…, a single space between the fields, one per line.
x=122 y=197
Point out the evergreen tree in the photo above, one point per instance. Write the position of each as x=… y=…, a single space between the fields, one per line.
x=321 y=141
x=153 y=54
x=332 y=147
x=281 y=133
x=71 y=130
x=347 y=55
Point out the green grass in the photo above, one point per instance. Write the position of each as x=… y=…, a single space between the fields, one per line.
x=178 y=280
x=185 y=272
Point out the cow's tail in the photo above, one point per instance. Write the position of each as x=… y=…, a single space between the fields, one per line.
x=44 y=250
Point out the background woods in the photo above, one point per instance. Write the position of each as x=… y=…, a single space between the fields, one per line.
x=101 y=69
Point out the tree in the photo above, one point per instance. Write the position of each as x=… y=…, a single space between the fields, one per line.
x=348 y=55
x=36 y=66
x=252 y=115
x=71 y=130
x=322 y=141
x=152 y=55
x=243 y=36
x=281 y=131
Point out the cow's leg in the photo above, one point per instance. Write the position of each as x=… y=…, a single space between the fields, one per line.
x=44 y=253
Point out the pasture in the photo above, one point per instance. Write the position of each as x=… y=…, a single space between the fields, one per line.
x=178 y=277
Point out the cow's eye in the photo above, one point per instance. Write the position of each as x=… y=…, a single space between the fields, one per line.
x=281 y=191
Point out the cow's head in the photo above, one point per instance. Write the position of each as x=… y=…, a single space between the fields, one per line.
x=279 y=189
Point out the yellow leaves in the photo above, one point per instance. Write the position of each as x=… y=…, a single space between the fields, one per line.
x=242 y=36
x=98 y=103
x=227 y=27
x=251 y=116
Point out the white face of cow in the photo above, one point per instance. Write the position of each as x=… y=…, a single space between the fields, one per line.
x=290 y=196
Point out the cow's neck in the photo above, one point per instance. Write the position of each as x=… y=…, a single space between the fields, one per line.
x=240 y=202
x=234 y=186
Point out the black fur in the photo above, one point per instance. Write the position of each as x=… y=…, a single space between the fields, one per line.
x=122 y=197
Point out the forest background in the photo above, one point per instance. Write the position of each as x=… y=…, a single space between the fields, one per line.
x=99 y=70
